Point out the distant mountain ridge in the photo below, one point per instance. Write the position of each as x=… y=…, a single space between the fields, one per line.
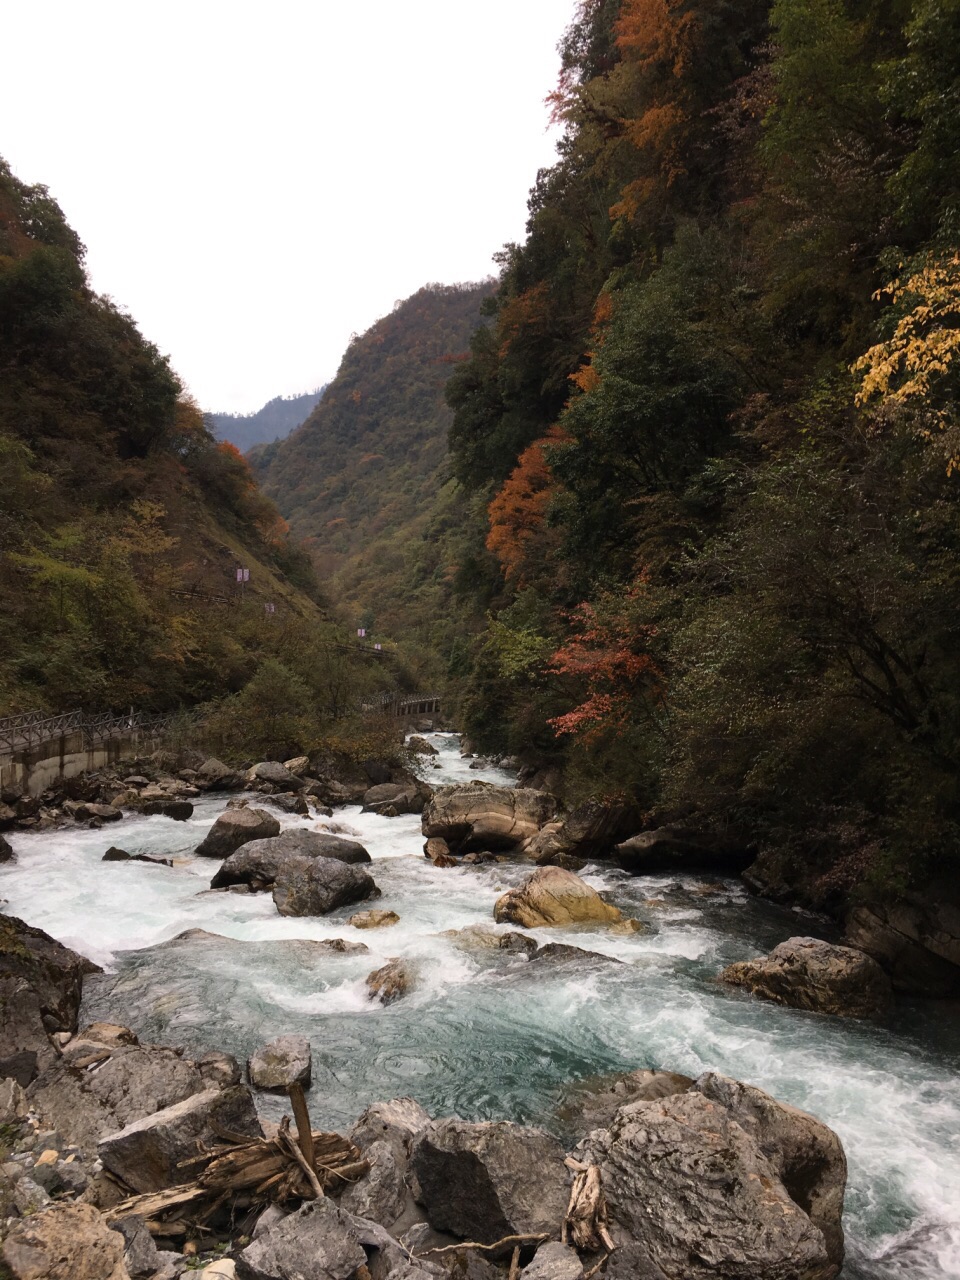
x=274 y=421
x=364 y=480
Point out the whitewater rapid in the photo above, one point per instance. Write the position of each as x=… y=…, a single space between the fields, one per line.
x=482 y=1035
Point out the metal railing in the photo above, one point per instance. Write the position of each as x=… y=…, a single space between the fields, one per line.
x=34 y=728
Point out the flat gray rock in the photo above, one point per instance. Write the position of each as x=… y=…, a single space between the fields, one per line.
x=284 y=1061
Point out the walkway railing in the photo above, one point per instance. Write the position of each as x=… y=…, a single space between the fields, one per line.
x=34 y=728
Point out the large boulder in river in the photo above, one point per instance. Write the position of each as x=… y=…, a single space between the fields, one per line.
x=6 y=851
x=236 y=827
x=393 y=798
x=261 y=860
x=552 y=896
x=315 y=886
x=147 y=1155
x=806 y=973
x=479 y=817
x=677 y=849
x=916 y=939
x=686 y=1181
x=486 y=1181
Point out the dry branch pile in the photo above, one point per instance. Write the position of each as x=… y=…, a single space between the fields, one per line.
x=244 y=1172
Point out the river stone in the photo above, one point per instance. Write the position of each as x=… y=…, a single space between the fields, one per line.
x=806 y=973
x=53 y=971
x=299 y=765
x=807 y=1155
x=276 y=774
x=554 y=1261
x=392 y=981
x=552 y=896
x=284 y=1061
x=397 y=1122
x=132 y=1082
x=262 y=859
x=420 y=746
x=66 y=1242
x=236 y=827
x=381 y=1195
x=482 y=817
x=179 y=810
x=593 y=1103
x=318 y=1242
x=685 y=1180
x=217 y=776
x=556 y=954
x=315 y=886
x=374 y=919
x=146 y=1154
x=6 y=851
x=486 y=1181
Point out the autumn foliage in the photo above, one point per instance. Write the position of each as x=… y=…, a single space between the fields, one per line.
x=518 y=514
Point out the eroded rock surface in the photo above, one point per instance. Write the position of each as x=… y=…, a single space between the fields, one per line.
x=315 y=886
x=284 y=1061
x=806 y=973
x=483 y=817
x=66 y=1242
x=260 y=861
x=486 y=1181
x=552 y=896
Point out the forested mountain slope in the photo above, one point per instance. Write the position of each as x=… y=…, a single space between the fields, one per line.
x=363 y=480
x=274 y=421
x=714 y=424
x=122 y=521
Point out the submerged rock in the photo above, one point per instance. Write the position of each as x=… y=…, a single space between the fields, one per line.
x=552 y=896
x=261 y=860
x=486 y=1181
x=481 y=817
x=236 y=827
x=806 y=973
x=284 y=1061
x=482 y=937
x=315 y=886
x=179 y=810
x=374 y=919
x=684 y=1180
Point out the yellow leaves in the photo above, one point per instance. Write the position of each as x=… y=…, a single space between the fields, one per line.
x=908 y=373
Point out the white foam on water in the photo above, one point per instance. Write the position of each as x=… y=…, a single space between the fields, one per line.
x=483 y=1034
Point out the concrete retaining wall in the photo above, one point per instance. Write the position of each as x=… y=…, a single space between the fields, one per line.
x=36 y=768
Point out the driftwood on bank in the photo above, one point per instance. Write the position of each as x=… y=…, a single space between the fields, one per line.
x=586 y=1220
x=245 y=1171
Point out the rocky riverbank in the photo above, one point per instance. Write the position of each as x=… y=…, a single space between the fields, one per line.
x=131 y=1160
x=274 y=948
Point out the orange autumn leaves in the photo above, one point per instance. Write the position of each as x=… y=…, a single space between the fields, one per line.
x=518 y=513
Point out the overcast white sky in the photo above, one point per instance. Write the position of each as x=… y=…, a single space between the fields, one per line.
x=256 y=182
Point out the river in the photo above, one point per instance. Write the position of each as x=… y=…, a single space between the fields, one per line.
x=483 y=1037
